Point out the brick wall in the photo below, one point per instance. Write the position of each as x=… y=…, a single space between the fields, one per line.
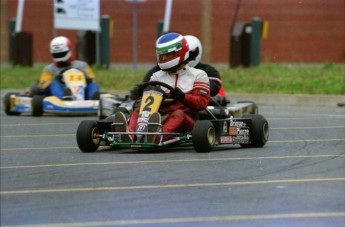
x=309 y=31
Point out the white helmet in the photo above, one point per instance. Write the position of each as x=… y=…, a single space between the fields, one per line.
x=60 y=49
x=195 y=50
x=172 y=51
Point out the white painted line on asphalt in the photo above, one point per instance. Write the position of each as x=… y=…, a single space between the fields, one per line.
x=304 y=141
x=165 y=186
x=274 y=141
x=191 y=219
x=173 y=161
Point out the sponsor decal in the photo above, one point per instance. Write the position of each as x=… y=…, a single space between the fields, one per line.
x=143 y=119
x=226 y=139
x=234 y=139
x=243 y=131
x=232 y=130
x=241 y=139
x=238 y=123
x=145 y=114
x=141 y=127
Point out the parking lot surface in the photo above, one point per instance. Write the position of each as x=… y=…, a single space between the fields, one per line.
x=297 y=179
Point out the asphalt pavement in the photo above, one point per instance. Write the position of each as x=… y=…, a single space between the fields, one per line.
x=296 y=179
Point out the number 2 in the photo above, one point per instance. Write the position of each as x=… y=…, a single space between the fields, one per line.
x=149 y=101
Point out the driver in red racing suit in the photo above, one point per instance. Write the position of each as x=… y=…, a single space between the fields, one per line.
x=217 y=90
x=191 y=86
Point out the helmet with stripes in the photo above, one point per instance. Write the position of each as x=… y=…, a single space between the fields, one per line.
x=172 y=51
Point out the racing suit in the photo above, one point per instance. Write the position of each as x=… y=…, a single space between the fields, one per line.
x=195 y=84
x=216 y=87
x=50 y=81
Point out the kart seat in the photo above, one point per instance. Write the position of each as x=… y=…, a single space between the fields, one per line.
x=218 y=101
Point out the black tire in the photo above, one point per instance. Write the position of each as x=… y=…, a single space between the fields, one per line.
x=259 y=131
x=7 y=104
x=203 y=136
x=37 y=105
x=255 y=107
x=86 y=140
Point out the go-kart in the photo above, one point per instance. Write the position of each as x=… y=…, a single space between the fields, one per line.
x=110 y=104
x=213 y=127
x=73 y=103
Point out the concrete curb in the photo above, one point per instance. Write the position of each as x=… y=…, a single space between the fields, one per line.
x=260 y=99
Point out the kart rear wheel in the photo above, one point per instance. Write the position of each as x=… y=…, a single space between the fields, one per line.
x=259 y=131
x=203 y=136
x=7 y=104
x=37 y=105
x=86 y=136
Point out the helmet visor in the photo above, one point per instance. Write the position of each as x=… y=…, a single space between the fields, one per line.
x=166 y=56
x=60 y=54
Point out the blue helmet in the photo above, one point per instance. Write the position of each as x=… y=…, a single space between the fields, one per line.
x=172 y=51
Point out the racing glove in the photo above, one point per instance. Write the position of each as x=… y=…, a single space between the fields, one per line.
x=177 y=94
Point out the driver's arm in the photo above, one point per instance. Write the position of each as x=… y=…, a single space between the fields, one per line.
x=199 y=98
x=89 y=73
x=214 y=77
x=46 y=78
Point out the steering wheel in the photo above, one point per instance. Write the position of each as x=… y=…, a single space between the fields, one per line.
x=167 y=86
x=154 y=83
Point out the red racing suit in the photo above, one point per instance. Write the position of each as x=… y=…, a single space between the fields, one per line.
x=196 y=86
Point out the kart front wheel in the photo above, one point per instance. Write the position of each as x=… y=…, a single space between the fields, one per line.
x=7 y=104
x=37 y=105
x=203 y=136
x=87 y=139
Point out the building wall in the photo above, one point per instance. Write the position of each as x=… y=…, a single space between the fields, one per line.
x=308 y=31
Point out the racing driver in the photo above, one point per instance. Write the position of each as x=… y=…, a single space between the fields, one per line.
x=191 y=89
x=50 y=81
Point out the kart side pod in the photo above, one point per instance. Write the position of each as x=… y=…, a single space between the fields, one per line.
x=251 y=130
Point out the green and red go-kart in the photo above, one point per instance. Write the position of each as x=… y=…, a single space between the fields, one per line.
x=73 y=103
x=213 y=127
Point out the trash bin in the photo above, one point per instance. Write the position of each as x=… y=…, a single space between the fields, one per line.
x=21 y=48
x=245 y=44
x=240 y=45
x=86 y=46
